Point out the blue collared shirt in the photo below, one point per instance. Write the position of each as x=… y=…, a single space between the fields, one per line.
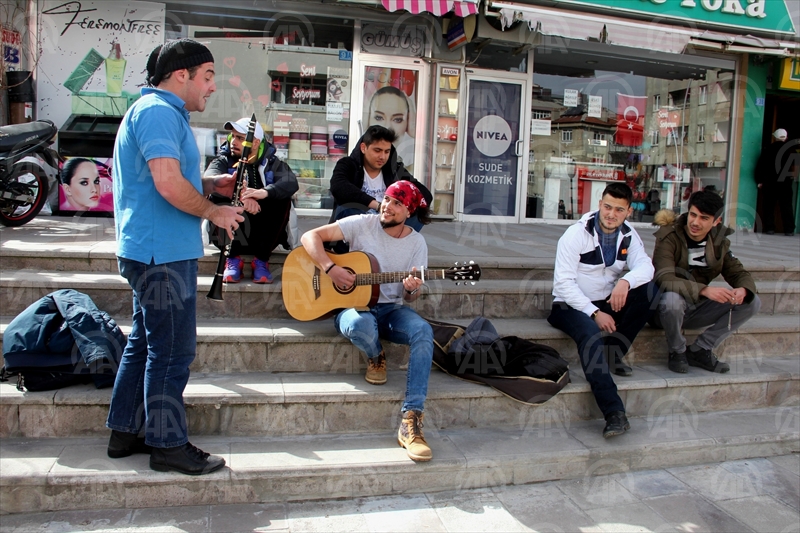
x=147 y=226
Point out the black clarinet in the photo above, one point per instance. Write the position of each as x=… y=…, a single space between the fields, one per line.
x=216 y=286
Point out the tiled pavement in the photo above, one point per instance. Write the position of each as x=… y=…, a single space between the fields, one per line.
x=761 y=495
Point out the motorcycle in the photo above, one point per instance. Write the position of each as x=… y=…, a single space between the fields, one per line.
x=26 y=159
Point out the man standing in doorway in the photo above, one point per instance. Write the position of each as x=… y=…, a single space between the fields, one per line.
x=595 y=304
x=775 y=175
x=159 y=201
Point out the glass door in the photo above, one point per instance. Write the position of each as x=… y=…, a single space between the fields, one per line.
x=495 y=141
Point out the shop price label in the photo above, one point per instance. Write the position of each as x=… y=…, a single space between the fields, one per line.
x=334 y=111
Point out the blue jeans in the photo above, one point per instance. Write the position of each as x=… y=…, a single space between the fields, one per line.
x=398 y=324
x=148 y=391
x=595 y=348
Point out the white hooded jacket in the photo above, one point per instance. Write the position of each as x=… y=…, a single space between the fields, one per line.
x=581 y=275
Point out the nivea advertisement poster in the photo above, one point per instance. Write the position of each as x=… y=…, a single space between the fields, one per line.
x=493 y=126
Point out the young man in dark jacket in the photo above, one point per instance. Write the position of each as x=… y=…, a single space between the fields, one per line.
x=690 y=252
x=267 y=197
x=360 y=179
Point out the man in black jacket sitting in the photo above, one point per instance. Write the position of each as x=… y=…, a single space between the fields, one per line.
x=360 y=179
x=267 y=197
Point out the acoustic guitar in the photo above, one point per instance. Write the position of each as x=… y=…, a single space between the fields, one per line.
x=309 y=293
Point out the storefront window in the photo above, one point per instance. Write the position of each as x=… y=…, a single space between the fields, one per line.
x=645 y=126
x=300 y=93
x=308 y=116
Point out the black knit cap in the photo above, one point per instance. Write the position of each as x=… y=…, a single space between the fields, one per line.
x=175 y=55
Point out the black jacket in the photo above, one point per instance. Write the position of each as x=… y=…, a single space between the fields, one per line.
x=774 y=165
x=348 y=178
x=281 y=183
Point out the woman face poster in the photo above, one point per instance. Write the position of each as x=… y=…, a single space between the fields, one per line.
x=390 y=101
x=85 y=185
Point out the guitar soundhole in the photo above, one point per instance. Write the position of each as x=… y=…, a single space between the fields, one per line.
x=349 y=289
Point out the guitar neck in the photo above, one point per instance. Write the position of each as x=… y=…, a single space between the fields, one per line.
x=379 y=278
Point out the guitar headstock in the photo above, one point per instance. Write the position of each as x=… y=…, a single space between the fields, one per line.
x=464 y=273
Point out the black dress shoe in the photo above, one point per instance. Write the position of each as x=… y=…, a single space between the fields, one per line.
x=620 y=368
x=678 y=362
x=123 y=444
x=186 y=459
x=616 y=424
x=700 y=357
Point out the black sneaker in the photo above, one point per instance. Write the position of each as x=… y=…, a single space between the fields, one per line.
x=678 y=363
x=620 y=368
x=616 y=424
x=706 y=359
x=123 y=444
x=186 y=459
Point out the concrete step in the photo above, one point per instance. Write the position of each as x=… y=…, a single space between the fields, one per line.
x=307 y=403
x=54 y=474
x=442 y=299
x=100 y=256
x=249 y=345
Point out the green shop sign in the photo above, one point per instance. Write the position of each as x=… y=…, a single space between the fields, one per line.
x=754 y=15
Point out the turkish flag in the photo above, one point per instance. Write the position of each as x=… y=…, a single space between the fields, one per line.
x=630 y=120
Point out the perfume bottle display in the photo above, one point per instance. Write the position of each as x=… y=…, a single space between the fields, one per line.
x=115 y=71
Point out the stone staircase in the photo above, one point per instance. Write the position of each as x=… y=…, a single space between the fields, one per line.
x=286 y=404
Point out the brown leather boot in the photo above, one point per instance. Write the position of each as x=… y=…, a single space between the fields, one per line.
x=410 y=437
x=376 y=370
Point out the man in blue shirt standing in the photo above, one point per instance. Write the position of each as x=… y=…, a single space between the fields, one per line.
x=159 y=201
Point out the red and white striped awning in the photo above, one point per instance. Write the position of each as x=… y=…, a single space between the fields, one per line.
x=437 y=7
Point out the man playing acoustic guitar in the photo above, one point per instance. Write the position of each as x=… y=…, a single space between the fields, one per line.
x=396 y=247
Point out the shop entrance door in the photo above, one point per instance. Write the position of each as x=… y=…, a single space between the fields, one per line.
x=392 y=92
x=495 y=163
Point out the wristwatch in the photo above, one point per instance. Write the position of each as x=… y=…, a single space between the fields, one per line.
x=595 y=313
x=412 y=292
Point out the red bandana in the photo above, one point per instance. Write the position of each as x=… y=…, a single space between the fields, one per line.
x=408 y=194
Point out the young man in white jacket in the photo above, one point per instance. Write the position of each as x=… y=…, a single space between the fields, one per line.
x=595 y=304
